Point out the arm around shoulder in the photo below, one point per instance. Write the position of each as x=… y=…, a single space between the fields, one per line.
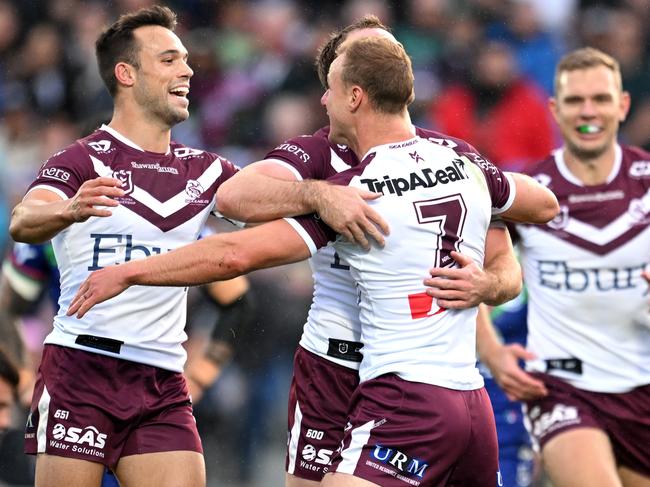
x=534 y=203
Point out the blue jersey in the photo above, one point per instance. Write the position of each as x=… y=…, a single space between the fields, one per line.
x=515 y=453
x=32 y=272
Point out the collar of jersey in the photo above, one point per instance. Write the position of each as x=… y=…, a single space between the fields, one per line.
x=569 y=176
x=374 y=149
x=124 y=139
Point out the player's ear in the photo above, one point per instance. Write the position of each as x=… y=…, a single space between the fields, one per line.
x=356 y=95
x=125 y=74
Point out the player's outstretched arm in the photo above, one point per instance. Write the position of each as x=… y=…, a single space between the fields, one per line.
x=42 y=213
x=214 y=258
x=503 y=361
x=468 y=284
x=265 y=191
x=534 y=203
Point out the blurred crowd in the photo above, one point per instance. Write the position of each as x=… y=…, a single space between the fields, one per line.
x=484 y=70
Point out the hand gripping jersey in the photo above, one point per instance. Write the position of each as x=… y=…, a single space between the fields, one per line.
x=435 y=200
x=588 y=315
x=168 y=198
x=333 y=329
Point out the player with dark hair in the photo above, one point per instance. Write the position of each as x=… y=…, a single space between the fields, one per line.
x=400 y=331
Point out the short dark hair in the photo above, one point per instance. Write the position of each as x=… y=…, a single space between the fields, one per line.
x=327 y=52
x=117 y=43
x=9 y=371
x=383 y=69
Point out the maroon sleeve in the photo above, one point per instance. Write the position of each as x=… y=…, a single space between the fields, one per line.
x=308 y=154
x=498 y=183
x=317 y=230
x=66 y=170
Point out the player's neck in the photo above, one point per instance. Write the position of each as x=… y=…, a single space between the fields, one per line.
x=591 y=171
x=141 y=130
x=379 y=129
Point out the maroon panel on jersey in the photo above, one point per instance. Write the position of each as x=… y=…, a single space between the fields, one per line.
x=319 y=399
x=161 y=176
x=624 y=417
x=598 y=206
x=422 y=435
x=99 y=408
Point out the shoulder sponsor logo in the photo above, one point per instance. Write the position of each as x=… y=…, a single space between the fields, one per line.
x=56 y=173
x=102 y=146
x=183 y=152
x=88 y=440
x=295 y=150
x=126 y=178
x=640 y=169
x=154 y=166
x=443 y=142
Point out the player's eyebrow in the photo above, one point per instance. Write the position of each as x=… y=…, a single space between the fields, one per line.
x=174 y=52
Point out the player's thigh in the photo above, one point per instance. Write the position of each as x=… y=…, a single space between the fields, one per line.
x=294 y=481
x=55 y=471
x=162 y=469
x=336 y=479
x=579 y=457
x=630 y=478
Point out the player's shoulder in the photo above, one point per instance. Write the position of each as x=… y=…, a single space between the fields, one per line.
x=445 y=140
x=636 y=161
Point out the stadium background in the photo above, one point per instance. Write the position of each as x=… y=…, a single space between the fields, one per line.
x=484 y=69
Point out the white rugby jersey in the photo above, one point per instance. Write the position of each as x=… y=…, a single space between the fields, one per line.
x=588 y=316
x=168 y=198
x=333 y=329
x=435 y=200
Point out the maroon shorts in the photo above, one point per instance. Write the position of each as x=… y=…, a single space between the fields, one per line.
x=319 y=400
x=625 y=418
x=408 y=433
x=99 y=408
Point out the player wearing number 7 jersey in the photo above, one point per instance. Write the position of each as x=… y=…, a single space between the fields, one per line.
x=425 y=427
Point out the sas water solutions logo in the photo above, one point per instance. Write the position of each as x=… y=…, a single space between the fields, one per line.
x=315 y=459
x=87 y=440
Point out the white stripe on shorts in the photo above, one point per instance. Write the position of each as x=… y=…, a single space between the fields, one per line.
x=350 y=455
x=41 y=430
x=294 y=436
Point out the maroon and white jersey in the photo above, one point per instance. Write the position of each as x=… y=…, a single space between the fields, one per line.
x=588 y=316
x=333 y=329
x=168 y=198
x=435 y=200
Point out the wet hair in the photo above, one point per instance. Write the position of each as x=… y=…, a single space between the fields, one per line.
x=118 y=44
x=327 y=52
x=383 y=70
x=585 y=58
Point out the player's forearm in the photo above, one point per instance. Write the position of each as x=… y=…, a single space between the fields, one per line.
x=202 y=262
x=252 y=197
x=37 y=221
x=534 y=203
x=505 y=274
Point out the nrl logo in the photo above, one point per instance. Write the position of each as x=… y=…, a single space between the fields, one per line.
x=561 y=220
x=125 y=177
x=194 y=189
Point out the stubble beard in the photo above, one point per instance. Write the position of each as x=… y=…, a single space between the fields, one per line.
x=586 y=155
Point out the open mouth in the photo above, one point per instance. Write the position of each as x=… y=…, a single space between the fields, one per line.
x=589 y=129
x=180 y=92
